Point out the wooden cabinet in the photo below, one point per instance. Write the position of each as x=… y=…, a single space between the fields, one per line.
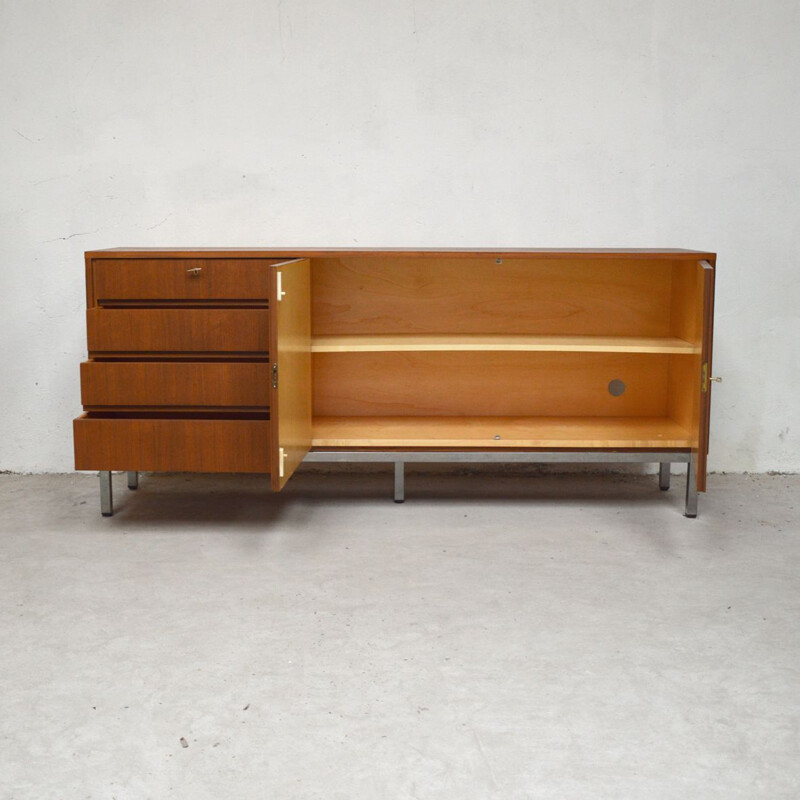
x=255 y=359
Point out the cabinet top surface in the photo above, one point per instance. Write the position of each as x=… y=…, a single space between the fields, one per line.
x=303 y=252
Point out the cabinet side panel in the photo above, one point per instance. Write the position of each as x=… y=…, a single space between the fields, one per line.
x=90 y=301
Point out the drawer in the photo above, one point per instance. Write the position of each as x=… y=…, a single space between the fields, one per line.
x=163 y=444
x=187 y=384
x=132 y=279
x=171 y=330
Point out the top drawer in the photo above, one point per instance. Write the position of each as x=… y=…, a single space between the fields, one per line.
x=131 y=279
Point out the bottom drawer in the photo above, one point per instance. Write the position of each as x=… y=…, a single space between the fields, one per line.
x=172 y=443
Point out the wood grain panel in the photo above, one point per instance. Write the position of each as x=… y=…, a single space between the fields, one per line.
x=502 y=384
x=166 y=445
x=505 y=343
x=290 y=344
x=187 y=384
x=163 y=330
x=177 y=279
x=401 y=294
x=684 y=302
x=685 y=372
x=706 y=282
x=500 y=432
x=600 y=253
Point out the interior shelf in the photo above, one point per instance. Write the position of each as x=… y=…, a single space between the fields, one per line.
x=500 y=432
x=450 y=342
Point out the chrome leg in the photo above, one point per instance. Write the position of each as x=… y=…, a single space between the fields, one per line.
x=399 y=481
x=691 y=489
x=133 y=480
x=106 y=497
x=663 y=475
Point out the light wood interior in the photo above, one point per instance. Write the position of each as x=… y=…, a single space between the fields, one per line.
x=502 y=342
x=512 y=352
x=491 y=384
x=290 y=344
x=380 y=293
x=499 y=432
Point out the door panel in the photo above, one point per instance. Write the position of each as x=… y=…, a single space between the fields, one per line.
x=290 y=346
x=707 y=274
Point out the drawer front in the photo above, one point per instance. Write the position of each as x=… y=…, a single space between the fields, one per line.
x=187 y=384
x=177 y=279
x=172 y=330
x=167 y=445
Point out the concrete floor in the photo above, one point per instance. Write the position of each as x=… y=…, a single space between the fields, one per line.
x=564 y=636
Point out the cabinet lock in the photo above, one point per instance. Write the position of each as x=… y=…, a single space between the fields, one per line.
x=706 y=379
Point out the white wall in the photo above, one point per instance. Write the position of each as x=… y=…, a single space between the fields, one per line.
x=368 y=122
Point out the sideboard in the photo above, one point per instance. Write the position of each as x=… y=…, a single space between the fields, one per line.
x=256 y=359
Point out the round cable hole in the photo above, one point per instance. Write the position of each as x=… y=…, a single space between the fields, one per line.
x=616 y=387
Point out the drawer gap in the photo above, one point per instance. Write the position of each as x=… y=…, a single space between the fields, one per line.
x=248 y=358
x=193 y=410
x=214 y=303
x=109 y=355
x=229 y=414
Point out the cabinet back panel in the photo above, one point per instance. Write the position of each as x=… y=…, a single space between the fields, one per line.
x=392 y=294
x=488 y=383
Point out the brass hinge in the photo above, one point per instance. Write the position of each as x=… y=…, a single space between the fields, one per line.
x=275 y=376
x=281 y=459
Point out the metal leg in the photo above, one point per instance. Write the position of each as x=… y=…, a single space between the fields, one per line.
x=106 y=497
x=398 y=457
x=663 y=475
x=399 y=481
x=133 y=480
x=691 y=489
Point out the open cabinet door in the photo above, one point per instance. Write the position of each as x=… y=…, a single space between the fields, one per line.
x=290 y=364
x=706 y=288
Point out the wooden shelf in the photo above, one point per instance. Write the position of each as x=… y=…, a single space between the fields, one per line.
x=489 y=342
x=500 y=432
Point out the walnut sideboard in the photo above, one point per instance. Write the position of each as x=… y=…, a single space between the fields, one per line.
x=255 y=360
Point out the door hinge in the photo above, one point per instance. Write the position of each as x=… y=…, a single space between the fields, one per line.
x=275 y=376
x=279 y=290
x=281 y=459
